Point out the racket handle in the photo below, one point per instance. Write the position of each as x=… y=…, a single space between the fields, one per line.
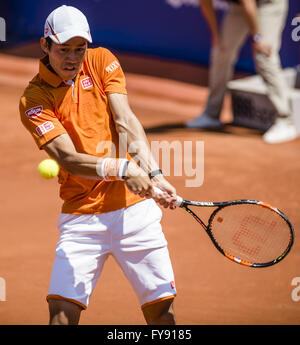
x=178 y=202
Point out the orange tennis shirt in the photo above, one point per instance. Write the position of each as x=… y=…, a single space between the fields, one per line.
x=49 y=108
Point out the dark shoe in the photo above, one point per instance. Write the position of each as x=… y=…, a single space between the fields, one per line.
x=205 y=121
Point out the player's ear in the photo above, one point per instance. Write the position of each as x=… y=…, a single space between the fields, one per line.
x=44 y=45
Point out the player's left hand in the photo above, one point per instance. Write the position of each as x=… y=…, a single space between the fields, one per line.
x=168 y=197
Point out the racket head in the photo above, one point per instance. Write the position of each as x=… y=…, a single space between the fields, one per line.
x=251 y=233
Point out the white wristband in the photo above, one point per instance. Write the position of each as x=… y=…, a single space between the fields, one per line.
x=112 y=169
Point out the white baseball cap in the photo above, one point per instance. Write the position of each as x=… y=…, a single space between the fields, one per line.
x=66 y=22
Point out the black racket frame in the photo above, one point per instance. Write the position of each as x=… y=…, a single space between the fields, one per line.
x=220 y=205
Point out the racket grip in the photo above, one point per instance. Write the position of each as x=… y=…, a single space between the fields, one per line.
x=178 y=202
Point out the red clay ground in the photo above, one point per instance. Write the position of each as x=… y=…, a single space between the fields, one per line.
x=211 y=289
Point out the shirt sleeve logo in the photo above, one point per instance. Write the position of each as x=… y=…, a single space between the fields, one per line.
x=44 y=128
x=112 y=67
x=34 y=112
x=86 y=83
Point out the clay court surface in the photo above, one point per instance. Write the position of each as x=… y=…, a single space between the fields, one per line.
x=211 y=289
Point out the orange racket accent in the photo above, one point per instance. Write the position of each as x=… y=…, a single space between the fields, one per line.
x=239 y=261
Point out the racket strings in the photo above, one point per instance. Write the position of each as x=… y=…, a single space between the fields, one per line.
x=250 y=232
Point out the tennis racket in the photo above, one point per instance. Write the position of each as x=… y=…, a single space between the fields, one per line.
x=248 y=232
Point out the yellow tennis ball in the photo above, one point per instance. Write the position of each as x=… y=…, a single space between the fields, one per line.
x=48 y=168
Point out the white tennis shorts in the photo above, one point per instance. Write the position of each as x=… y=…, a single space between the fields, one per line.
x=134 y=237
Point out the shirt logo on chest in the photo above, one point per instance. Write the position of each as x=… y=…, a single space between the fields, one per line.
x=86 y=83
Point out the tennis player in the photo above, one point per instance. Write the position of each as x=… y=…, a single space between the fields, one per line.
x=76 y=109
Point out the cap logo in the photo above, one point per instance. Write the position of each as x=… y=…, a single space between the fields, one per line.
x=53 y=33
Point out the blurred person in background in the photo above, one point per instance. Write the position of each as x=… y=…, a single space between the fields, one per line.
x=264 y=21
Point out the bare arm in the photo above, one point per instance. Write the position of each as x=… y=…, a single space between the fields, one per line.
x=129 y=127
x=63 y=151
x=211 y=18
x=84 y=165
x=250 y=13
